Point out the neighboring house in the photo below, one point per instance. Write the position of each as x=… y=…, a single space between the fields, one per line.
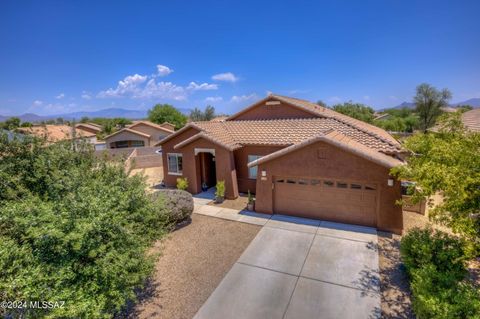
x=56 y=133
x=471 y=120
x=89 y=127
x=298 y=158
x=139 y=134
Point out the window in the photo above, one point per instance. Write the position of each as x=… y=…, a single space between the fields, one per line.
x=138 y=144
x=342 y=185
x=174 y=163
x=252 y=171
x=315 y=182
x=328 y=183
x=370 y=187
x=291 y=181
x=302 y=182
x=279 y=181
x=355 y=186
x=121 y=144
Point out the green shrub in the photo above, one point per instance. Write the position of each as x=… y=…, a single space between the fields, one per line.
x=421 y=247
x=178 y=204
x=72 y=228
x=435 y=263
x=220 y=192
x=182 y=183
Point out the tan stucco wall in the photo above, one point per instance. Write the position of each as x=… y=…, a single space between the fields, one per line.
x=224 y=164
x=126 y=136
x=241 y=161
x=155 y=134
x=339 y=164
x=281 y=111
x=168 y=126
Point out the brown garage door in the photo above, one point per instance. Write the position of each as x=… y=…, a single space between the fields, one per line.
x=327 y=199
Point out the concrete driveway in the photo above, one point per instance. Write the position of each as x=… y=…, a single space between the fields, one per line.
x=301 y=268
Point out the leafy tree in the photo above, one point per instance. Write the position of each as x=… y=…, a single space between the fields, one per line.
x=161 y=113
x=209 y=113
x=321 y=103
x=11 y=123
x=465 y=107
x=72 y=228
x=84 y=119
x=356 y=110
x=428 y=104
x=400 y=120
x=26 y=124
x=448 y=162
x=198 y=115
x=59 y=120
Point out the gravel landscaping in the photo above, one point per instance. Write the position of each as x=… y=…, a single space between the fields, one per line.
x=193 y=261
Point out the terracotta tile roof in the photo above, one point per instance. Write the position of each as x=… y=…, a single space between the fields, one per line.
x=55 y=133
x=234 y=134
x=127 y=129
x=326 y=112
x=89 y=125
x=151 y=124
x=471 y=120
x=340 y=140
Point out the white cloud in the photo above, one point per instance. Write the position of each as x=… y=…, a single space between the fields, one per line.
x=227 y=77
x=162 y=89
x=163 y=70
x=60 y=96
x=129 y=85
x=86 y=95
x=37 y=103
x=243 y=98
x=201 y=87
x=366 y=97
x=213 y=99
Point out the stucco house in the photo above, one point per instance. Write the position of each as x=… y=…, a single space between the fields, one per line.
x=139 y=134
x=89 y=127
x=298 y=158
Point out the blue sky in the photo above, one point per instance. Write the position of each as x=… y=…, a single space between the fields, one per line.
x=64 y=56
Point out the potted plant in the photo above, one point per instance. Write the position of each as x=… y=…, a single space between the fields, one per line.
x=182 y=183
x=251 y=202
x=220 y=192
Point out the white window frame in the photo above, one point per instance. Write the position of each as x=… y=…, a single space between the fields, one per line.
x=176 y=155
x=251 y=158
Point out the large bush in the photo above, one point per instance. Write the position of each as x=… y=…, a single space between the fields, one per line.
x=435 y=263
x=178 y=204
x=72 y=229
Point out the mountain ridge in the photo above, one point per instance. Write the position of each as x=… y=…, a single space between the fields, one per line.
x=107 y=113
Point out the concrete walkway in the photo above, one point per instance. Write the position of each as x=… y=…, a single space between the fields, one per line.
x=298 y=268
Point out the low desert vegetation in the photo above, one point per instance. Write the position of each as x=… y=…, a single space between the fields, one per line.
x=436 y=265
x=182 y=183
x=444 y=162
x=178 y=204
x=74 y=228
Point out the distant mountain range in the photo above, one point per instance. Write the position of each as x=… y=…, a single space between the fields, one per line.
x=475 y=103
x=108 y=113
